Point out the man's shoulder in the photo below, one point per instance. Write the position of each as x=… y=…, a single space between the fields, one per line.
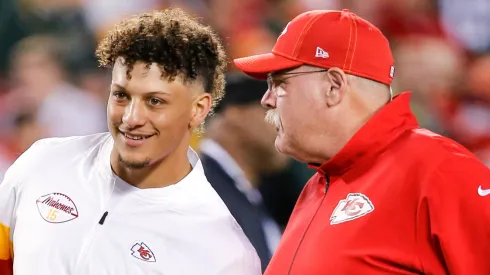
x=431 y=147
x=446 y=170
x=434 y=153
x=50 y=155
x=61 y=148
x=73 y=143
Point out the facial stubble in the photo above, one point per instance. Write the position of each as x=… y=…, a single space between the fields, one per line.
x=134 y=165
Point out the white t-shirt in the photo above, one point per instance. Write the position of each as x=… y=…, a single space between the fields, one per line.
x=52 y=205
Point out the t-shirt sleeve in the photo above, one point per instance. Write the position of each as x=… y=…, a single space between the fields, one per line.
x=9 y=188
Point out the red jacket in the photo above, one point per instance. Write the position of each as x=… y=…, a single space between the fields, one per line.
x=397 y=199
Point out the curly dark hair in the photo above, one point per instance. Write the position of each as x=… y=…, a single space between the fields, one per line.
x=180 y=45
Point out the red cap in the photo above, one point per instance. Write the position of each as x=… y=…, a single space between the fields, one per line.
x=325 y=38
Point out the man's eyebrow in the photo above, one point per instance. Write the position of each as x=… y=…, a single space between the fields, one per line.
x=122 y=89
x=117 y=86
x=158 y=93
x=276 y=76
x=281 y=73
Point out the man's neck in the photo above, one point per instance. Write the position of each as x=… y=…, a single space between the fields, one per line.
x=164 y=172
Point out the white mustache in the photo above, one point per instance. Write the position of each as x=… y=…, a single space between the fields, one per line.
x=273 y=118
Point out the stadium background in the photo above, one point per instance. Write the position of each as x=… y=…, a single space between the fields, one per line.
x=50 y=84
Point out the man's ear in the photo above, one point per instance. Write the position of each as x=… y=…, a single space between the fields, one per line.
x=200 y=109
x=338 y=86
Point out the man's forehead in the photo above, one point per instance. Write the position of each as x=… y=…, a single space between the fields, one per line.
x=138 y=70
x=149 y=77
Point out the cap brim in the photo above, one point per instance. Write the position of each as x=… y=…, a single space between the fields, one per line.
x=258 y=66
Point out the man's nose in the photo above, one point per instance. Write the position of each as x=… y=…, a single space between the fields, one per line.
x=269 y=99
x=134 y=114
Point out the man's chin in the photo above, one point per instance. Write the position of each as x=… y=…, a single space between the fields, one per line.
x=134 y=163
x=283 y=147
x=278 y=144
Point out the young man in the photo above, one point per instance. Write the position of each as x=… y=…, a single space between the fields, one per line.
x=388 y=197
x=134 y=201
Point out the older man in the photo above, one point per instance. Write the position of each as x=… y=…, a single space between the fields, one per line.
x=389 y=197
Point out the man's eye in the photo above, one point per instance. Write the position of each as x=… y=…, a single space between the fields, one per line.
x=155 y=101
x=119 y=95
x=279 y=81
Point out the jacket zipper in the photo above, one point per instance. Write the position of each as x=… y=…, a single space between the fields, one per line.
x=95 y=232
x=327 y=183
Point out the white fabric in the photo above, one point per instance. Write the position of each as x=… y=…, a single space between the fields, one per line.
x=185 y=228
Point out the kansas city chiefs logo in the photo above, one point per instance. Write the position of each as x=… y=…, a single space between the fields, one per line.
x=141 y=251
x=354 y=206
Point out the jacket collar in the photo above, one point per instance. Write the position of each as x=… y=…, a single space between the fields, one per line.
x=372 y=138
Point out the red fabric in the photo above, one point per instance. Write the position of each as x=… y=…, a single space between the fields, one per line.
x=350 y=42
x=6 y=267
x=401 y=200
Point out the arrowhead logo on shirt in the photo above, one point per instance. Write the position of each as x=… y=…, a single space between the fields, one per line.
x=142 y=251
x=354 y=206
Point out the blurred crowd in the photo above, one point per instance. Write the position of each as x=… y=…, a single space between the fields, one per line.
x=51 y=85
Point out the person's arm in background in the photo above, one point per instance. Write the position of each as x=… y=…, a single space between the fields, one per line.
x=459 y=215
x=8 y=189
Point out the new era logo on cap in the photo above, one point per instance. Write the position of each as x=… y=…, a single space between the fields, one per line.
x=284 y=31
x=327 y=39
x=321 y=53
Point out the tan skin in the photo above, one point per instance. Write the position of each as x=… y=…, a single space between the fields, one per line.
x=35 y=75
x=165 y=112
x=319 y=111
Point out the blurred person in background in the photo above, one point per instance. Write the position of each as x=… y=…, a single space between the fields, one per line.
x=432 y=69
x=25 y=130
x=237 y=151
x=389 y=197
x=468 y=114
x=102 y=15
x=135 y=200
x=39 y=80
x=63 y=19
x=450 y=91
x=400 y=19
